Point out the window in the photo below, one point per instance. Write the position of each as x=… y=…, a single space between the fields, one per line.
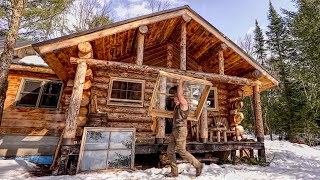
x=195 y=91
x=39 y=94
x=106 y=148
x=212 y=100
x=126 y=92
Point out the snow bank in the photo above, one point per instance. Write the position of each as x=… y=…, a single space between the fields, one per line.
x=15 y=169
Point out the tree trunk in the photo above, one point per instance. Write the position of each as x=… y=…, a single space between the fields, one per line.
x=7 y=54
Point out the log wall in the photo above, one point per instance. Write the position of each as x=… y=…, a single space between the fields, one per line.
x=136 y=117
x=25 y=121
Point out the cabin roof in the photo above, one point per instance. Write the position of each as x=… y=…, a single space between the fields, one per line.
x=116 y=42
x=20 y=43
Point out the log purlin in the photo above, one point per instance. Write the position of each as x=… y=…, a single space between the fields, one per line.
x=147 y=70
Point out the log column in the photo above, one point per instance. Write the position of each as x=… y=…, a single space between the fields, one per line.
x=142 y=30
x=203 y=120
x=169 y=55
x=220 y=49
x=183 y=43
x=204 y=125
x=75 y=102
x=161 y=122
x=258 y=119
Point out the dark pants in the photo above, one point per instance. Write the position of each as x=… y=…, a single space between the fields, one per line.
x=177 y=143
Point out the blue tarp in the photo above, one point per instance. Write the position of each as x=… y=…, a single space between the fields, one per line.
x=34 y=159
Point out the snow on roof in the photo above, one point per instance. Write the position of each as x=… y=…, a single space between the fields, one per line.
x=32 y=61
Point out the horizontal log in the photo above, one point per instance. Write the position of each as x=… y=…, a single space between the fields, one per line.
x=101 y=64
x=29 y=131
x=26 y=116
x=144 y=127
x=255 y=74
x=101 y=79
x=120 y=109
x=199 y=147
x=34 y=69
x=124 y=74
x=129 y=118
x=33 y=123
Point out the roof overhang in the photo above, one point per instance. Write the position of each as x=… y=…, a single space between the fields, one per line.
x=74 y=39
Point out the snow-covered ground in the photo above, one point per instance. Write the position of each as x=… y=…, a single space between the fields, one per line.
x=289 y=161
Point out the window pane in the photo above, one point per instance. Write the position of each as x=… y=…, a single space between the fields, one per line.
x=119 y=85
x=32 y=86
x=100 y=146
x=52 y=88
x=134 y=95
x=119 y=159
x=123 y=95
x=97 y=137
x=121 y=140
x=28 y=100
x=211 y=94
x=49 y=101
x=116 y=85
x=115 y=94
x=94 y=160
x=134 y=86
x=210 y=103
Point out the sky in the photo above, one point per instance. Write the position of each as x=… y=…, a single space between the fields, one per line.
x=234 y=18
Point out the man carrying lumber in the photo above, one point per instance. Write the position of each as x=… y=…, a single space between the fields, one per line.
x=179 y=133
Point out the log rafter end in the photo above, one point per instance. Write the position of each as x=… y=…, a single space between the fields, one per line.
x=186 y=18
x=143 y=29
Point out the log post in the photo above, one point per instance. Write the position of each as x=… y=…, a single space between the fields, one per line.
x=204 y=125
x=161 y=122
x=258 y=119
x=169 y=55
x=75 y=102
x=142 y=30
x=221 y=48
x=183 y=43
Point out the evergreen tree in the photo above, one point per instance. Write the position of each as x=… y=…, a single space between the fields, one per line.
x=304 y=26
x=279 y=48
x=40 y=18
x=259 y=45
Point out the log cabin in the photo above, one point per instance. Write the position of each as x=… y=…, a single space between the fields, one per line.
x=106 y=77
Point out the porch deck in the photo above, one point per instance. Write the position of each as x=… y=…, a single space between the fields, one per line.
x=196 y=147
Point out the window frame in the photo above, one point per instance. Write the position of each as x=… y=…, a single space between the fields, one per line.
x=43 y=81
x=110 y=130
x=126 y=102
x=155 y=112
x=216 y=104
